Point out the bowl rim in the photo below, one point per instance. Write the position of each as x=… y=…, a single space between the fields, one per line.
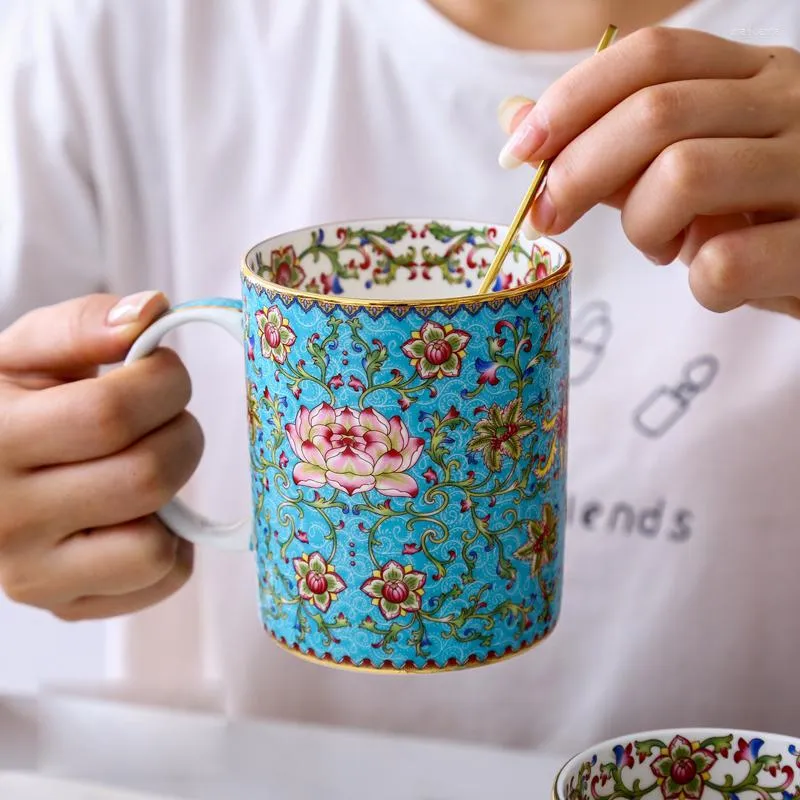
x=559 y=275
x=664 y=734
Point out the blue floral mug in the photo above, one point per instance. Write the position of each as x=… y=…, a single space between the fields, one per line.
x=407 y=440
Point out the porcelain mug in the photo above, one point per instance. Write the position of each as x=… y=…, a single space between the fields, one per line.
x=685 y=764
x=407 y=440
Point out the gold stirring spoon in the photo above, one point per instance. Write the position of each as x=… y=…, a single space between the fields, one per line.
x=530 y=196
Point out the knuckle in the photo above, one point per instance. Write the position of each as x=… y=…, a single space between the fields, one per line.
x=152 y=479
x=564 y=180
x=109 y=412
x=193 y=441
x=786 y=55
x=682 y=169
x=658 y=107
x=15 y=521
x=715 y=275
x=156 y=552
x=81 y=319
x=658 y=44
x=174 y=371
x=20 y=586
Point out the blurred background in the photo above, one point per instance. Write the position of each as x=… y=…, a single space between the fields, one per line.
x=36 y=648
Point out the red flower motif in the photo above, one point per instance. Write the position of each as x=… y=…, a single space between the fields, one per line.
x=411 y=549
x=285 y=269
x=430 y=476
x=317 y=580
x=336 y=381
x=436 y=351
x=395 y=589
x=275 y=334
x=682 y=769
x=301 y=536
x=404 y=403
x=283 y=460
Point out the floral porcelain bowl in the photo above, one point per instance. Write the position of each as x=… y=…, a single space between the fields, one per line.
x=685 y=764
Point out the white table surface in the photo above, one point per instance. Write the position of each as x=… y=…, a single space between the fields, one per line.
x=197 y=756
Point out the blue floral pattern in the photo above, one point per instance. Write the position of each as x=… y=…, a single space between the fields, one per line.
x=408 y=462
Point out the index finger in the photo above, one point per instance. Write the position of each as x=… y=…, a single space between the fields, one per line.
x=646 y=58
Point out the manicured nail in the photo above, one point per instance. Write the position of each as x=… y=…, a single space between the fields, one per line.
x=508 y=110
x=528 y=231
x=544 y=212
x=523 y=143
x=131 y=308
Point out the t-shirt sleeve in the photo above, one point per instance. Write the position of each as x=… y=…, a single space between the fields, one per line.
x=50 y=241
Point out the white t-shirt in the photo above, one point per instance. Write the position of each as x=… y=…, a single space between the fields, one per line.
x=153 y=142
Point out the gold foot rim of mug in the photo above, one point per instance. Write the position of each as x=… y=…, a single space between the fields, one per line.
x=410 y=669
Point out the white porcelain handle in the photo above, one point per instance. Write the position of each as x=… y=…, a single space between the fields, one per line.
x=176 y=515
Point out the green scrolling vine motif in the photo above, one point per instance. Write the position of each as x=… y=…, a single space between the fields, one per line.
x=408 y=479
x=435 y=250
x=689 y=768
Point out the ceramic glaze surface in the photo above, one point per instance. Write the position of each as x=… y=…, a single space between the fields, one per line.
x=690 y=764
x=408 y=460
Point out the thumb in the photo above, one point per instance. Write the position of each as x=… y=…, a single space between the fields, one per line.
x=512 y=111
x=71 y=338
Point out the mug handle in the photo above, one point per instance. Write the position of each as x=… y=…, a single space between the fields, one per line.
x=177 y=515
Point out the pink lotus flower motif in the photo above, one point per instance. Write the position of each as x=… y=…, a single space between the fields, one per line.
x=682 y=769
x=354 y=451
x=436 y=351
x=275 y=334
x=285 y=268
x=317 y=580
x=395 y=589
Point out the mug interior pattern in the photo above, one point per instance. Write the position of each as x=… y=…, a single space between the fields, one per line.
x=692 y=764
x=408 y=459
x=413 y=260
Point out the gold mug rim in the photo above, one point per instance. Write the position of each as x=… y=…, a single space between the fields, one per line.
x=561 y=274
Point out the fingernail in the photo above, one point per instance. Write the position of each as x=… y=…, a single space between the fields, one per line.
x=544 y=212
x=131 y=308
x=525 y=141
x=528 y=231
x=510 y=108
